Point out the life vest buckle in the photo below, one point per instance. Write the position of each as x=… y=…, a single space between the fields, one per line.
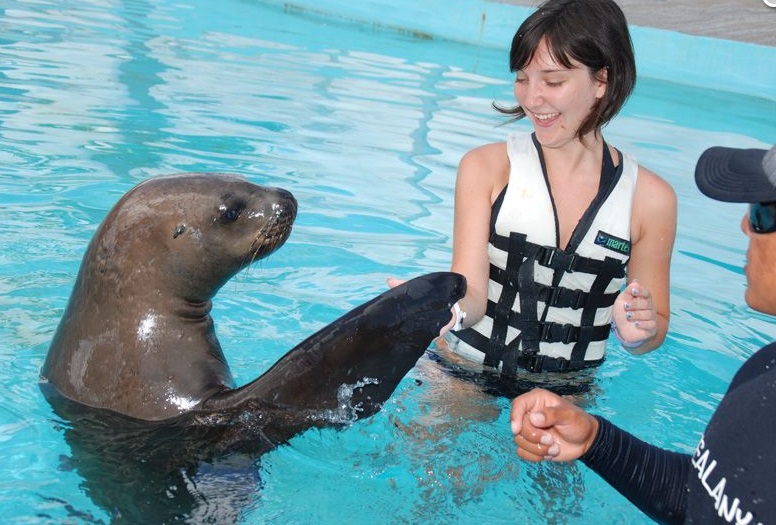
x=569 y=333
x=555 y=258
x=579 y=300
x=532 y=363
x=543 y=363
x=545 y=256
x=558 y=333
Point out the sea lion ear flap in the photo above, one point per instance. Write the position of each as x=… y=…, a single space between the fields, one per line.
x=179 y=229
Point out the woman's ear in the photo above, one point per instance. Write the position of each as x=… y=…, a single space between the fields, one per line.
x=602 y=77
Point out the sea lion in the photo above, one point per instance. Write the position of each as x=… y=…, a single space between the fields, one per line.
x=137 y=338
x=155 y=425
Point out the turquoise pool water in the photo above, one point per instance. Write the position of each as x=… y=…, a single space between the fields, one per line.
x=365 y=126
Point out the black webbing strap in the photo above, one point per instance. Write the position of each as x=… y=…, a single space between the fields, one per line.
x=501 y=312
x=588 y=318
x=559 y=297
x=543 y=363
x=526 y=343
x=557 y=259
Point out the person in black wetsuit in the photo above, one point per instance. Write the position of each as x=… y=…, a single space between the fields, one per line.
x=731 y=477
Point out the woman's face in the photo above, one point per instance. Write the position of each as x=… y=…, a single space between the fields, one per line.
x=759 y=269
x=555 y=98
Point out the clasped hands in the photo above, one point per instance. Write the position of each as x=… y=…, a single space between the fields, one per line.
x=546 y=426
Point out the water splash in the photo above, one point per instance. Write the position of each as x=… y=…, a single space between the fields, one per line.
x=346 y=412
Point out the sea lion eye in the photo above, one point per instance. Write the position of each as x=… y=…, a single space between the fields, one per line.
x=230 y=213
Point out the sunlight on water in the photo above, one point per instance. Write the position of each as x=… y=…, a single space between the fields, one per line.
x=366 y=129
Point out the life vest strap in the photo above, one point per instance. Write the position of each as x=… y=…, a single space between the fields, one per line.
x=543 y=363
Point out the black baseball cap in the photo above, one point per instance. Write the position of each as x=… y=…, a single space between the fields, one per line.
x=737 y=175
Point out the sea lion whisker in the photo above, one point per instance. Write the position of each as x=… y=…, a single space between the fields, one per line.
x=259 y=242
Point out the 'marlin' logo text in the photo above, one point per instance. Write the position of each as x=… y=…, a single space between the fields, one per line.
x=612 y=243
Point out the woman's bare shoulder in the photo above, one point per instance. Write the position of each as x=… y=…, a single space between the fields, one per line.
x=652 y=186
x=654 y=207
x=487 y=156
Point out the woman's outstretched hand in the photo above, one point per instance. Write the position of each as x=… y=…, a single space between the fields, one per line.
x=393 y=282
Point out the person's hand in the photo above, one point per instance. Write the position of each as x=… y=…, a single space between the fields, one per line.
x=394 y=282
x=634 y=315
x=548 y=427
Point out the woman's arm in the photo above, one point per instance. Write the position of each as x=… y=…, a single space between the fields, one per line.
x=641 y=319
x=482 y=174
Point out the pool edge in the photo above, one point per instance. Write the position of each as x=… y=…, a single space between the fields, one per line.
x=700 y=61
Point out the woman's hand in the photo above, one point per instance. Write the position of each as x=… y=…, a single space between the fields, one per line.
x=634 y=316
x=393 y=282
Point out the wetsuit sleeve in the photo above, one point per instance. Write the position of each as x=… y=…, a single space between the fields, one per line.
x=653 y=479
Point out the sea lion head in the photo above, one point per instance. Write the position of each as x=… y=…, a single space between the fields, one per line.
x=136 y=336
x=190 y=232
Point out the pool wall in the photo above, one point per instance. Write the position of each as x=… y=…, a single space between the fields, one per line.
x=710 y=63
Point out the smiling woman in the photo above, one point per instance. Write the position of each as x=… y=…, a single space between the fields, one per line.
x=549 y=226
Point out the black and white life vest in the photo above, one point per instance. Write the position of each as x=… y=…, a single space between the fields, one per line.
x=550 y=309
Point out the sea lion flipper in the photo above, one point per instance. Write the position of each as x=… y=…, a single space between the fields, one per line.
x=371 y=347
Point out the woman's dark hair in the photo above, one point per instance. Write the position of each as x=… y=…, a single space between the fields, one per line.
x=591 y=32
